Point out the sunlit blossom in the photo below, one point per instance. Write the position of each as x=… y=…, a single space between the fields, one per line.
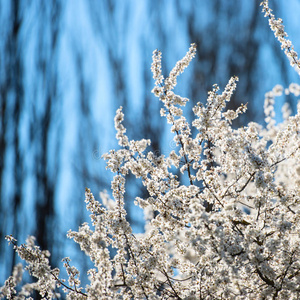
x=229 y=229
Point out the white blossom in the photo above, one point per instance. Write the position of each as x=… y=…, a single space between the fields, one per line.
x=199 y=240
x=278 y=29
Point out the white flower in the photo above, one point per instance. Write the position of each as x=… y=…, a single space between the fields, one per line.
x=221 y=212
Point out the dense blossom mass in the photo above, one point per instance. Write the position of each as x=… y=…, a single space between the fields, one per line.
x=229 y=228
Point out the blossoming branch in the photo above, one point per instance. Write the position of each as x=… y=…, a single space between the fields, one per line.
x=232 y=231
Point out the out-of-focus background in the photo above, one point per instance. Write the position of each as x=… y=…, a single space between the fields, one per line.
x=67 y=65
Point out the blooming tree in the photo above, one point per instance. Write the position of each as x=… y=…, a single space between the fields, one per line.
x=199 y=242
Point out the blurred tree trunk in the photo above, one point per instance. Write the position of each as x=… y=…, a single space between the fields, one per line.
x=45 y=136
x=28 y=141
x=12 y=106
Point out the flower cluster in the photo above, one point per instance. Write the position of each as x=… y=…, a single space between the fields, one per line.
x=278 y=29
x=228 y=229
x=38 y=267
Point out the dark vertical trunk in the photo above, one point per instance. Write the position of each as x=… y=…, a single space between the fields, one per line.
x=15 y=83
x=46 y=167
